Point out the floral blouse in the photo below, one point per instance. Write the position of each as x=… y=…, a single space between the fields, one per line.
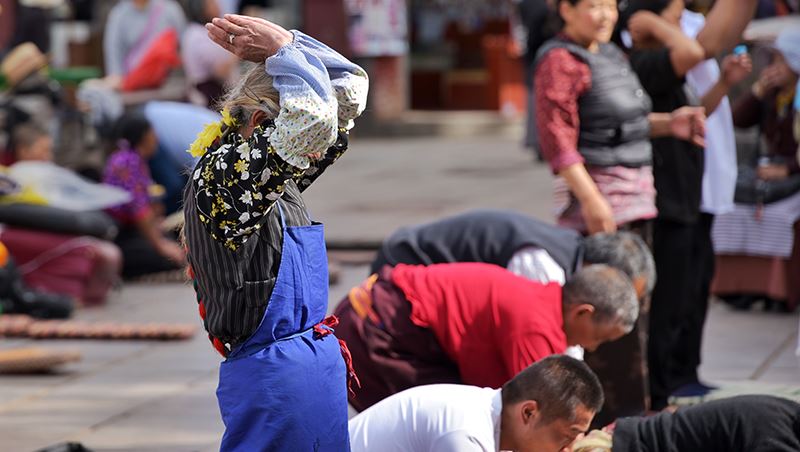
x=237 y=181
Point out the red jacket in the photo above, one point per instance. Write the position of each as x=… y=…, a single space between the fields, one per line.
x=491 y=323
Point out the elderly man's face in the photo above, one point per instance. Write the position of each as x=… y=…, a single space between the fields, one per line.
x=581 y=328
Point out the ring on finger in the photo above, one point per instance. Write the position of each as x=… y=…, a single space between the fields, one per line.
x=230 y=38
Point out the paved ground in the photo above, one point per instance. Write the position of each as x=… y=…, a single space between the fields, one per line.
x=139 y=396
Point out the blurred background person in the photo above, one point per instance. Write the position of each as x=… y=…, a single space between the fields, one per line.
x=83 y=267
x=131 y=30
x=757 y=248
x=661 y=56
x=145 y=247
x=207 y=66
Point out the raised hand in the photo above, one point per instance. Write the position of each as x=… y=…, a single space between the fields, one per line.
x=249 y=38
x=736 y=68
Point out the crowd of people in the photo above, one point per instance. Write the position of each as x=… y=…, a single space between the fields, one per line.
x=489 y=330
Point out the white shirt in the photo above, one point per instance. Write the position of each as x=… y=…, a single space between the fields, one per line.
x=536 y=264
x=719 y=175
x=433 y=418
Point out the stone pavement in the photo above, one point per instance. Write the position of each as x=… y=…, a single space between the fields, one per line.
x=159 y=396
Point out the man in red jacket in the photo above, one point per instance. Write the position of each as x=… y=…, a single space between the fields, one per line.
x=473 y=323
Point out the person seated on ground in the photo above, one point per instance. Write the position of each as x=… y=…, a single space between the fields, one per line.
x=542 y=409
x=208 y=66
x=752 y=423
x=176 y=125
x=83 y=267
x=525 y=246
x=758 y=254
x=473 y=323
x=133 y=28
x=145 y=247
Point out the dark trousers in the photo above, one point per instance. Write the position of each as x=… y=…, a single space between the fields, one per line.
x=390 y=353
x=684 y=258
x=621 y=365
x=138 y=255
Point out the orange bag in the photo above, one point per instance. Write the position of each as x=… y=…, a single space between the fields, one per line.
x=156 y=63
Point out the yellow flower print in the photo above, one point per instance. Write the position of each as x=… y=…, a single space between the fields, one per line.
x=240 y=166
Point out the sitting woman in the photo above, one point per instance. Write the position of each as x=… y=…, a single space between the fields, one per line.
x=758 y=244
x=738 y=424
x=258 y=261
x=208 y=66
x=145 y=247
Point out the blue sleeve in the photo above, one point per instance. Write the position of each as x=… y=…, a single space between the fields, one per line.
x=306 y=125
x=349 y=81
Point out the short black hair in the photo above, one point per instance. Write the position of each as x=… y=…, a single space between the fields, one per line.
x=624 y=251
x=132 y=127
x=559 y=384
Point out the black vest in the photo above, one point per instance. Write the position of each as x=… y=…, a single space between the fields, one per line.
x=614 y=128
x=491 y=236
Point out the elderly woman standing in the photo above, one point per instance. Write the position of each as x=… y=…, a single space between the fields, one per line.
x=258 y=261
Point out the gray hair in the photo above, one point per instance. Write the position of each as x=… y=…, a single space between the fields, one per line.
x=624 y=251
x=253 y=91
x=609 y=290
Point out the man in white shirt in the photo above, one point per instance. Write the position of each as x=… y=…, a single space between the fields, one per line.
x=542 y=409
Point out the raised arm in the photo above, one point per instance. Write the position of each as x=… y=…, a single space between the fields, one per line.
x=725 y=24
x=239 y=178
x=684 y=52
x=349 y=81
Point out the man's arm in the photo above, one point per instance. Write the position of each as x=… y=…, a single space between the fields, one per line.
x=725 y=24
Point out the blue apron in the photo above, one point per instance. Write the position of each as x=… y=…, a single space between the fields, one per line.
x=285 y=387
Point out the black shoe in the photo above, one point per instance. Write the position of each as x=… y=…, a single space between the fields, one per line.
x=40 y=305
x=17 y=298
x=740 y=302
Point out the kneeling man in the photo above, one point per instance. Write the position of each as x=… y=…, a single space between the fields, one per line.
x=542 y=409
x=473 y=323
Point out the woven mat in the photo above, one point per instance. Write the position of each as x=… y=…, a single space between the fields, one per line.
x=25 y=326
x=34 y=360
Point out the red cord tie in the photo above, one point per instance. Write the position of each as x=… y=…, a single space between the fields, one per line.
x=325 y=328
